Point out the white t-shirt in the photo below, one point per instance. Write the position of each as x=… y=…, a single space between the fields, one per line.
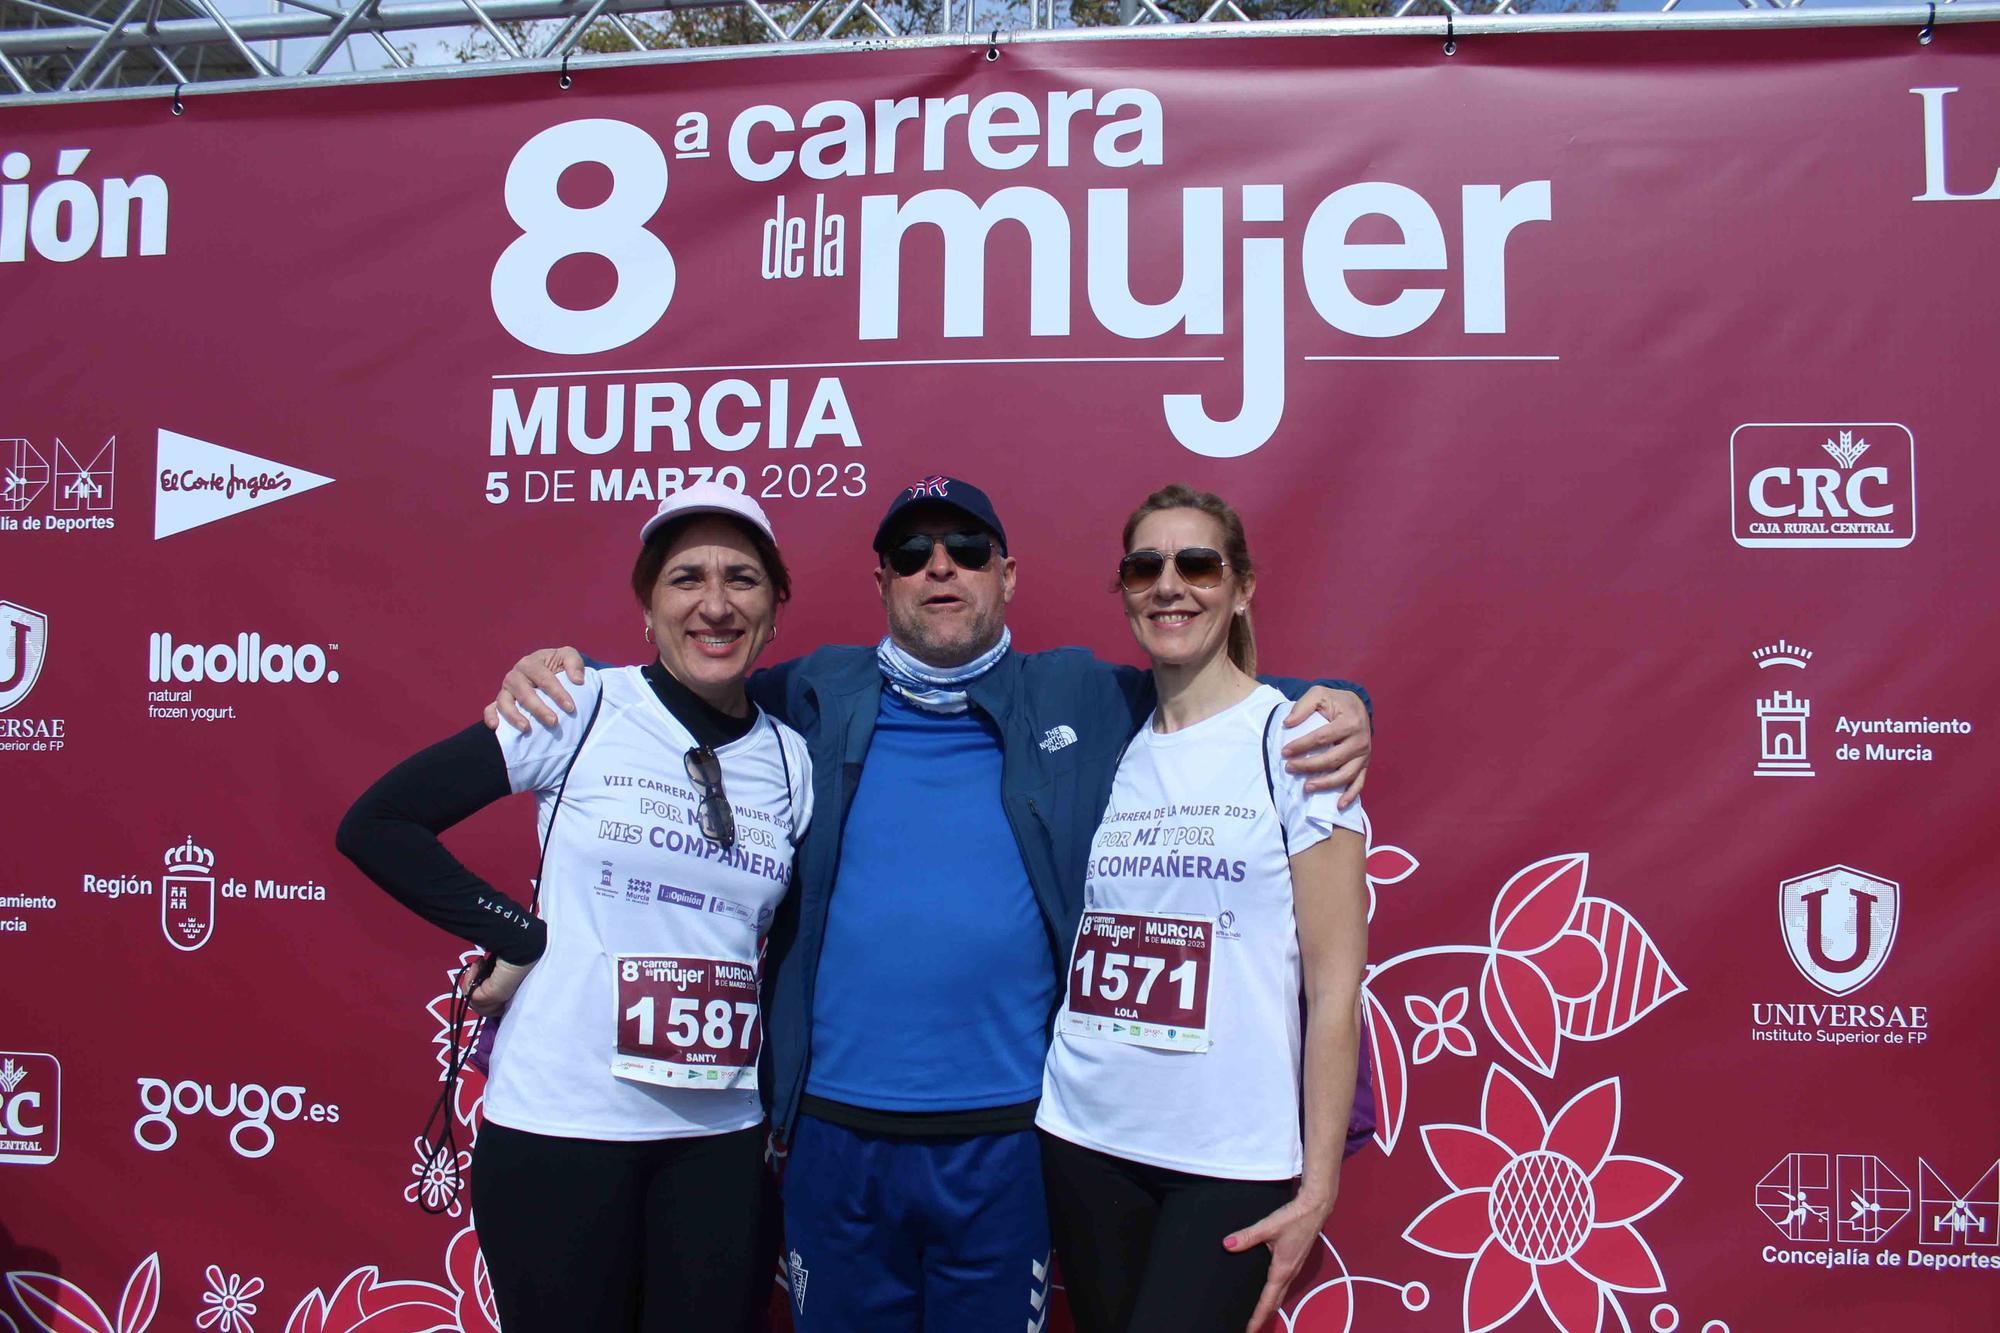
x=627 y=871
x=1190 y=838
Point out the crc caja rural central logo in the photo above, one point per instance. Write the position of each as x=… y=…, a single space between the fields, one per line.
x=30 y=1107
x=1823 y=484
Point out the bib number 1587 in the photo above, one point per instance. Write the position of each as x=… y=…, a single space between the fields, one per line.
x=687 y=1022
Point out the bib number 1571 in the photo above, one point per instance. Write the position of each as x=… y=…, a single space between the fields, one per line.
x=1141 y=979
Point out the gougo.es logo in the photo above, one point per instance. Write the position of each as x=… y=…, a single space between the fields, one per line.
x=254 y=1105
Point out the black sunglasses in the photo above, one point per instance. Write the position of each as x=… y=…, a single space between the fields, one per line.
x=718 y=824
x=968 y=550
x=1198 y=566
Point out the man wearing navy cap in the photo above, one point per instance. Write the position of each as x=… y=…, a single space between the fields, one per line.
x=917 y=963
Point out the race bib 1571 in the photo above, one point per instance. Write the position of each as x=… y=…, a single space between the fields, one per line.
x=1141 y=979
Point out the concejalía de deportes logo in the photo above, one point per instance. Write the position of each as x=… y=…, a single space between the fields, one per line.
x=253 y=1107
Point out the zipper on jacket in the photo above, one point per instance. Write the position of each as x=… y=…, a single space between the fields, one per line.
x=1058 y=949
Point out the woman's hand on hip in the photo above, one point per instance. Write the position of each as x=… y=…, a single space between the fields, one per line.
x=1291 y=1233
x=491 y=996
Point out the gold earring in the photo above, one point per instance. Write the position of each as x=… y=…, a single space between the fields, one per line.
x=649 y=631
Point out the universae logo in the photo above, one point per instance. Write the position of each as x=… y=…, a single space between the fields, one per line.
x=1839 y=925
x=24 y=644
x=1784 y=493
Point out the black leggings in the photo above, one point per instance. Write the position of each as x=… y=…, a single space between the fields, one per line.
x=1139 y=1247
x=660 y=1235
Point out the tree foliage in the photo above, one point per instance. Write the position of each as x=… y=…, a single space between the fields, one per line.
x=738 y=25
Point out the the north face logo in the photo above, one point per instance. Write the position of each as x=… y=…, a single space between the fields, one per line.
x=798 y=1271
x=1057 y=738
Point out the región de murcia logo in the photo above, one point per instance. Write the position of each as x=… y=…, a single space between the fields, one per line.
x=189 y=891
x=187 y=896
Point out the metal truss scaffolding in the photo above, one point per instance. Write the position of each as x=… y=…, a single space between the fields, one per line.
x=94 y=48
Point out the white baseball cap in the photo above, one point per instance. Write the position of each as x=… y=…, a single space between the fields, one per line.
x=708 y=497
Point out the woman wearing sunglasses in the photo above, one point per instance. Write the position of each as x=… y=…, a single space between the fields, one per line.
x=1185 y=1185
x=618 y=1177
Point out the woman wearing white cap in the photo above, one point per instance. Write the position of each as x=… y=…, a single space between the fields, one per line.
x=618 y=1180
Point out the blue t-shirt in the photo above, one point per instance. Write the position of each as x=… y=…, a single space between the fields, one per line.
x=935 y=983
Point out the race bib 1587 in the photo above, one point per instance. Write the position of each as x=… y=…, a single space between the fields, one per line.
x=687 y=1022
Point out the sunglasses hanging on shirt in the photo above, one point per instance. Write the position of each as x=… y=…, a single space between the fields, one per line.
x=968 y=550
x=1198 y=567
x=718 y=822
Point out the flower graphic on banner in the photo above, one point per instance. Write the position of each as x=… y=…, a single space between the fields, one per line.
x=1556 y=963
x=1537 y=961
x=440 y=1179
x=1325 y=1302
x=364 y=1303
x=1438 y=1026
x=228 y=1303
x=1542 y=1207
x=57 y=1305
x=472 y=1286
x=1385 y=864
x=470 y=1099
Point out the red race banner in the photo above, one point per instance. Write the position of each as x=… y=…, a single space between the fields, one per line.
x=1618 y=407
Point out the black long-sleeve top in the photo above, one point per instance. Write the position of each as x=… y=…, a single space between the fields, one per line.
x=392 y=832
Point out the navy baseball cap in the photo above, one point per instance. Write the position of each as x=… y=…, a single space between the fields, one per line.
x=942 y=493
